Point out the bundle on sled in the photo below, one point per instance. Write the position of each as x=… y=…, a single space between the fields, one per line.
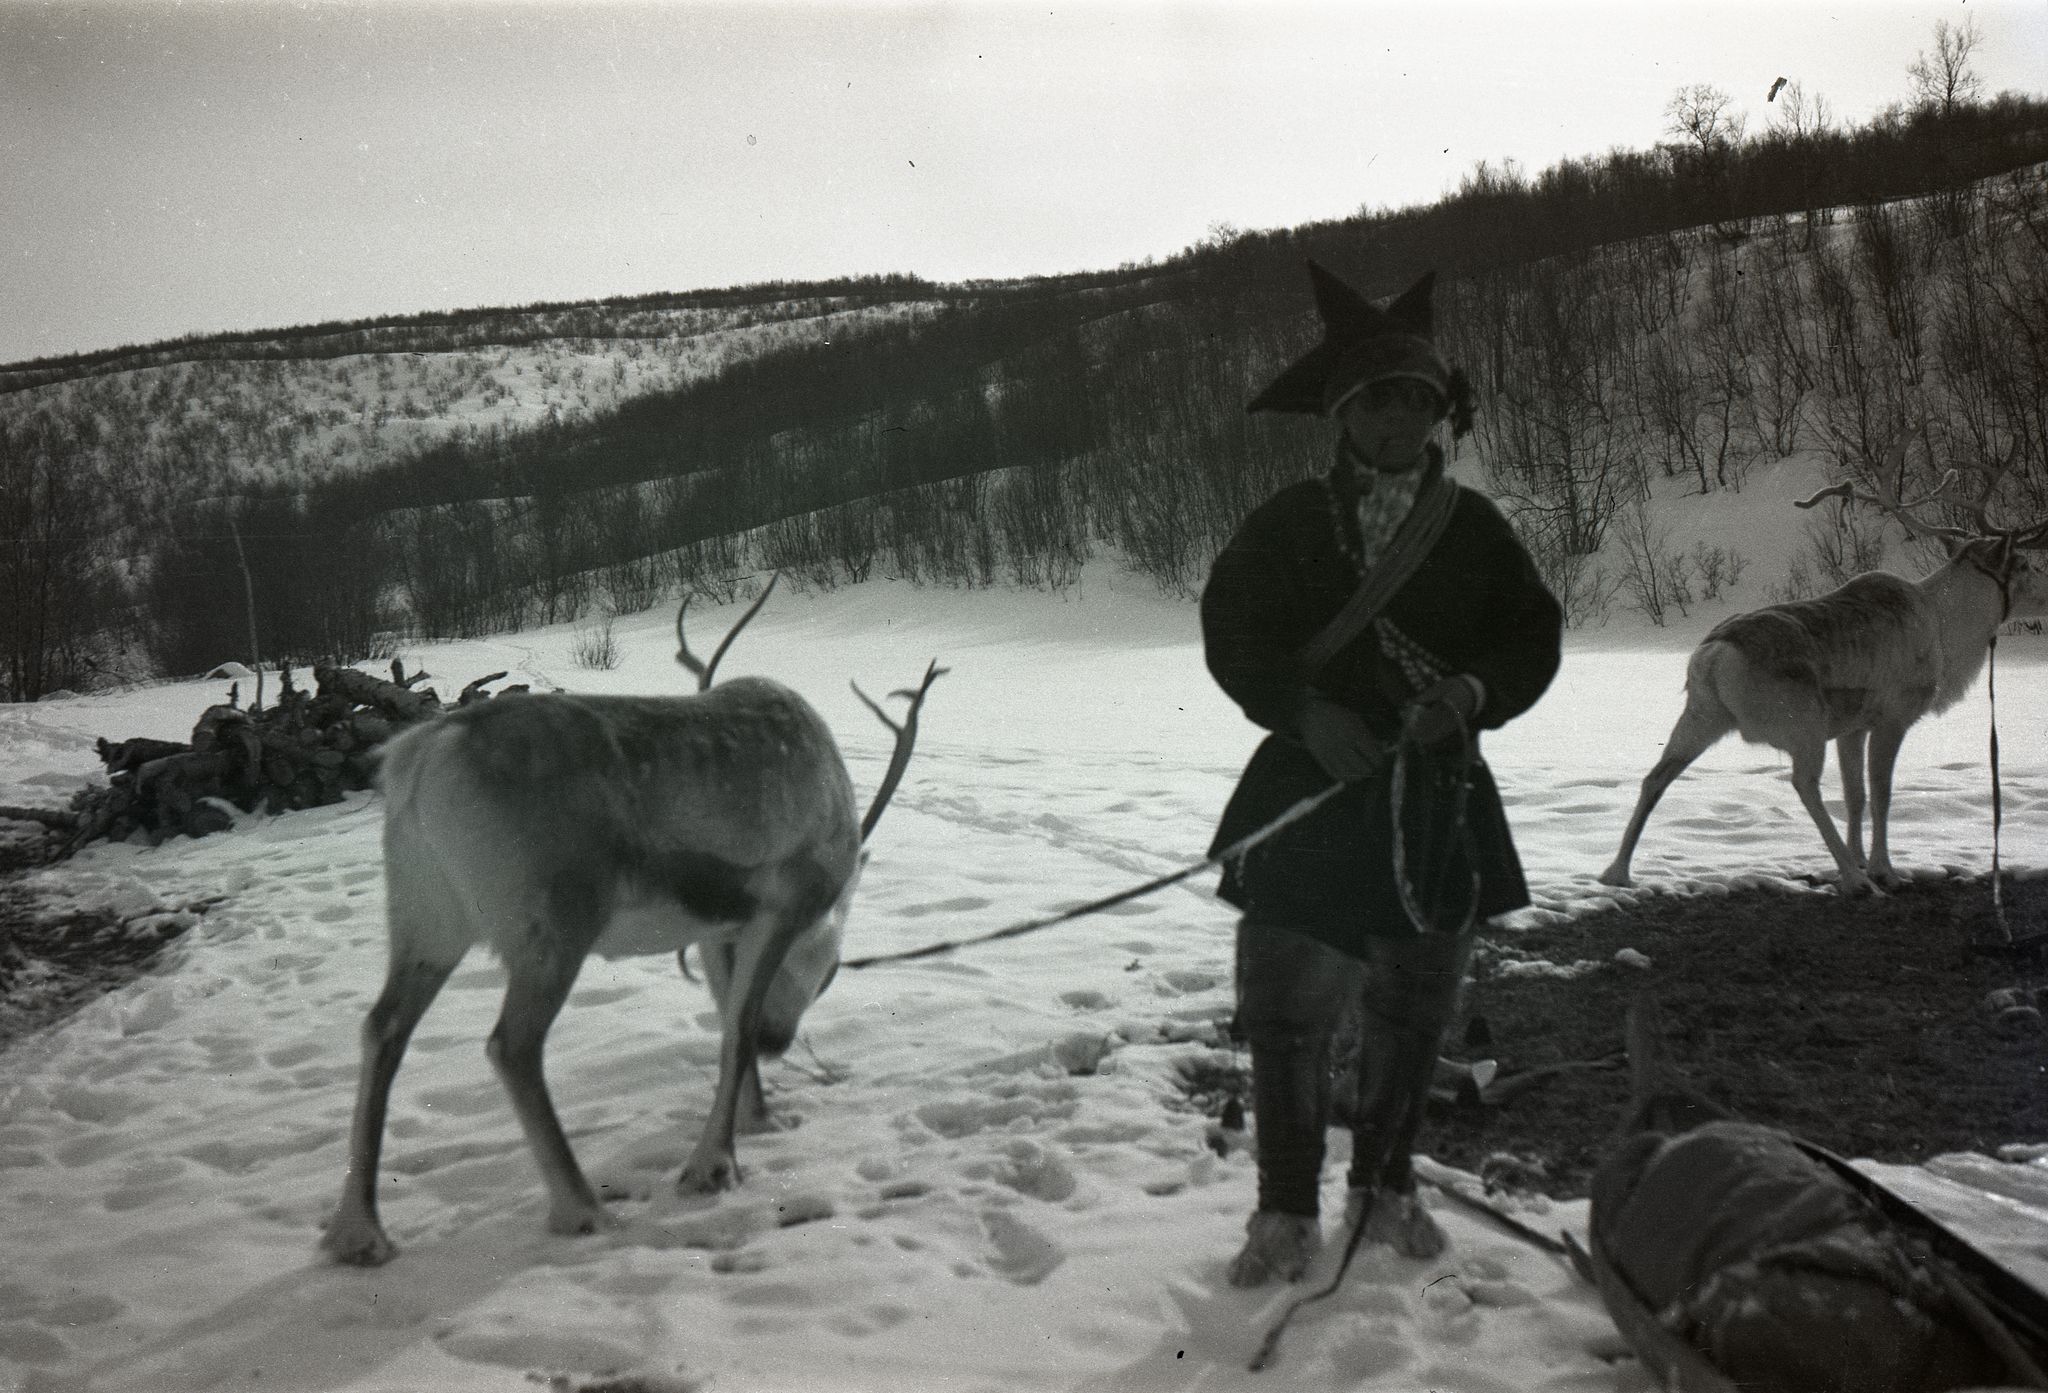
x=1736 y=1256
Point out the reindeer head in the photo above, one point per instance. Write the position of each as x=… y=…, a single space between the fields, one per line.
x=812 y=961
x=807 y=971
x=2015 y=562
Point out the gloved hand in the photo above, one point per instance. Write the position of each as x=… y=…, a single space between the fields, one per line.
x=1338 y=737
x=1443 y=711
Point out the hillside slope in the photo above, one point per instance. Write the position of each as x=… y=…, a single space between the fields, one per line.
x=511 y=467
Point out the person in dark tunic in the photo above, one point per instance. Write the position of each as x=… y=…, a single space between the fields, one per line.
x=1373 y=899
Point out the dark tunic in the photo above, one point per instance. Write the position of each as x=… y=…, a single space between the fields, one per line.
x=1477 y=605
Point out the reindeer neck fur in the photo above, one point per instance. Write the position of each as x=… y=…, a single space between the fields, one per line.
x=1968 y=605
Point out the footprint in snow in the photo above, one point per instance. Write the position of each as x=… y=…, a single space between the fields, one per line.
x=1020 y=1252
x=1007 y=1102
x=512 y=1341
x=239 y=1158
x=726 y=1228
x=31 y=1344
x=103 y=1106
x=872 y=1319
x=286 y=1056
x=91 y=1149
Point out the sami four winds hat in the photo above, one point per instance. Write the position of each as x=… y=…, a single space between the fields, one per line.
x=1362 y=343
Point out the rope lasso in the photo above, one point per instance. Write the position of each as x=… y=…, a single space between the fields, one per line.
x=1396 y=755
x=1238 y=848
x=1417 y=915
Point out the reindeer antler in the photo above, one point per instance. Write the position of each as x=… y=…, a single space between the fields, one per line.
x=1886 y=498
x=1887 y=501
x=2030 y=534
x=906 y=740
x=689 y=660
x=1948 y=492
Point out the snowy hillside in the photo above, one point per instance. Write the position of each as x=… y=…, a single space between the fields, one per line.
x=298 y=419
x=964 y=1205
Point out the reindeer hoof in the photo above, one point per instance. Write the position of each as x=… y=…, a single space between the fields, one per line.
x=357 y=1244
x=700 y=1179
x=578 y=1221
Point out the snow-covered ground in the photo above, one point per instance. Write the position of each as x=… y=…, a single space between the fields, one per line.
x=956 y=1208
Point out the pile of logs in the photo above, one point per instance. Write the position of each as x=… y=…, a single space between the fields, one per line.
x=301 y=751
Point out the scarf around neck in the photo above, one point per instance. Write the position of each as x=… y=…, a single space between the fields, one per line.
x=1379 y=503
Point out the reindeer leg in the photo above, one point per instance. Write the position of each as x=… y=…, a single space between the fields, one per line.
x=354 y=1234
x=720 y=968
x=1884 y=753
x=539 y=984
x=752 y=1118
x=1807 y=761
x=1698 y=727
x=1849 y=756
x=758 y=955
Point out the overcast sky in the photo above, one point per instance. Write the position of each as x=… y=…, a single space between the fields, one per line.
x=169 y=169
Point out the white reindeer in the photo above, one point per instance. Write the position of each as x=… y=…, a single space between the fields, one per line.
x=553 y=826
x=1858 y=665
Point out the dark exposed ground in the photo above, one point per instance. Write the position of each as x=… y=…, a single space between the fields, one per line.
x=1861 y=1025
x=54 y=960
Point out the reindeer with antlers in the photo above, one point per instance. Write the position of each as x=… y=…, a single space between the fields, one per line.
x=1858 y=665
x=554 y=826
